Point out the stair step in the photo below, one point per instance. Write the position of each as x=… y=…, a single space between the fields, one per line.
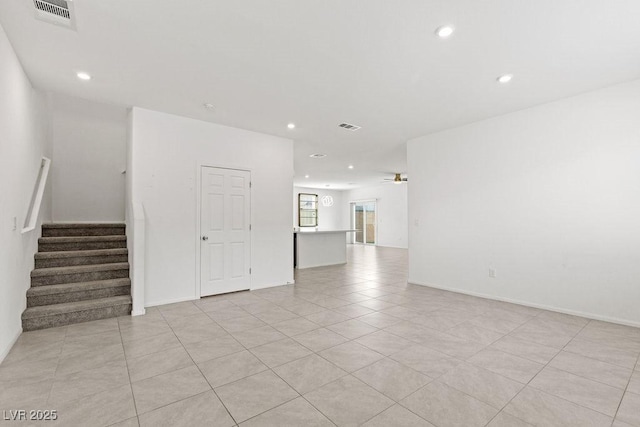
x=79 y=273
x=80 y=291
x=69 y=258
x=49 y=316
x=79 y=243
x=83 y=224
x=82 y=229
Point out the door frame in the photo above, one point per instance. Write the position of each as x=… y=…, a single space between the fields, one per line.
x=352 y=218
x=199 y=166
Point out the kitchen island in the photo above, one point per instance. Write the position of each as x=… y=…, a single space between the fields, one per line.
x=317 y=247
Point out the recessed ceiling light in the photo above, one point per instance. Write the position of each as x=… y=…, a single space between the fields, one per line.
x=350 y=166
x=318 y=155
x=83 y=76
x=291 y=125
x=505 y=78
x=306 y=176
x=444 y=31
x=208 y=106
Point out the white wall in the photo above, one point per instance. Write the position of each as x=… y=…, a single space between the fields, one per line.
x=391 y=210
x=24 y=139
x=136 y=228
x=89 y=145
x=548 y=196
x=129 y=217
x=329 y=217
x=166 y=153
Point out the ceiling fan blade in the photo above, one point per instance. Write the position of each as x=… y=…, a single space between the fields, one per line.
x=397 y=179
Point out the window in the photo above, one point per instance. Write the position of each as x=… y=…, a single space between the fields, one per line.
x=363 y=219
x=307 y=210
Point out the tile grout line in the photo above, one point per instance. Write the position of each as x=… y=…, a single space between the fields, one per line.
x=84 y=370
x=317 y=354
x=580 y=376
x=542 y=391
x=351 y=373
x=55 y=374
x=626 y=388
x=478 y=367
x=195 y=364
x=133 y=396
x=240 y=379
x=199 y=370
x=397 y=402
x=527 y=384
x=243 y=378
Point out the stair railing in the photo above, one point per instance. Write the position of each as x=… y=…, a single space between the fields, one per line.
x=31 y=218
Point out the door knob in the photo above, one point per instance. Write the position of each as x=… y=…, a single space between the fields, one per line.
x=205 y=238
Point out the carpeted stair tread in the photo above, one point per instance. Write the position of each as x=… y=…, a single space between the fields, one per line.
x=84 y=225
x=77 y=254
x=81 y=253
x=81 y=243
x=83 y=229
x=77 y=287
x=80 y=256
x=75 y=269
x=82 y=239
x=78 y=306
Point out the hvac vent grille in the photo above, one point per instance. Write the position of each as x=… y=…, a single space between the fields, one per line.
x=348 y=126
x=56 y=7
x=56 y=12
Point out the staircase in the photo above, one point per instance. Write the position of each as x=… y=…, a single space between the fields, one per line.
x=81 y=274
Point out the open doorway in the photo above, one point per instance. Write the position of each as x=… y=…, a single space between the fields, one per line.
x=363 y=219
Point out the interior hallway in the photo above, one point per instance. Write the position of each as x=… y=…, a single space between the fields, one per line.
x=345 y=345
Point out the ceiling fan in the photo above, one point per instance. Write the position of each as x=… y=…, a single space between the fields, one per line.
x=397 y=179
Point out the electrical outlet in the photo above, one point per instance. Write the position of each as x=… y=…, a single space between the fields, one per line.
x=15 y=223
x=492 y=273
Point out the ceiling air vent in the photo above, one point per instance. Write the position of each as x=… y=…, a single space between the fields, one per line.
x=348 y=126
x=57 y=12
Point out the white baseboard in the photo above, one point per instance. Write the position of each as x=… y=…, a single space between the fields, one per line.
x=5 y=351
x=392 y=247
x=170 y=301
x=534 y=305
x=319 y=265
x=255 y=288
x=138 y=313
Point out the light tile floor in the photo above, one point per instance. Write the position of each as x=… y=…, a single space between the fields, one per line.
x=347 y=345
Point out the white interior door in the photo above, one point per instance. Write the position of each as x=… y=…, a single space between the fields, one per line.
x=225 y=213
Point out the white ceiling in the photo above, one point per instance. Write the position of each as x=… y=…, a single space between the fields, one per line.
x=373 y=63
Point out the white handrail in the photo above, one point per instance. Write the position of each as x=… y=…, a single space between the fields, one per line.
x=33 y=212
